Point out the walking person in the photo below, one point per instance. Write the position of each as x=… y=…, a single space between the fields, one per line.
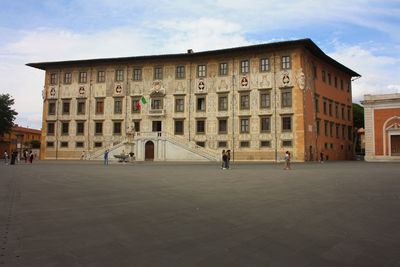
x=287 y=161
x=131 y=156
x=322 y=157
x=225 y=160
x=106 y=157
x=26 y=155
x=5 y=157
x=222 y=159
x=228 y=159
x=13 y=157
x=31 y=156
x=83 y=155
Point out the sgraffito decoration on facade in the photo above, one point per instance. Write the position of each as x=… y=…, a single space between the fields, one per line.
x=285 y=78
x=244 y=82
x=82 y=92
x=157 y=88
x=301 y=79
x=53 y=92
x=118 y=89
x=201 y=85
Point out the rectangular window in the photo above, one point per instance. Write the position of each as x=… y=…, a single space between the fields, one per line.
x=286 y=62
x=65 y=128
x=223 y=68
x=349 y=113
x=330 y=108
x=156 y=104
x=179 y=127
x=136 y=125
x=326 y=128
x=201 y=104
x=222 y=126
x=349 y=129
x=287 y=123
x=180 y=72
x=265 y=143
x=50 y=128
x=98 y=144
x=286 y=99
x=329 y=79
x=244 y=125
x=82 y=77
x=348 y=87
x=53 y=78
x=81 y=108
x=222 y=103
x=202 y=144
x=67 y=78
x=137 y=74
x=222 y=144
x=66 y=107
x=50 y=144
x=343 y=131
x=117 y=127
x=326 y=145
x=200 y=129
x=158 y=73
x=99 y=128
x=317 y=103
x=341 y=85
x=318 y=127
x=79 y=144
x=343 y=113
x=265 y=100
x=265 y=124
x=64 y=144
x=52 y=108
x=99 y=106
x=117 y=106
x=134 y=108
x=244 y=66
x=325 y=107
x=244 y=144
x=201 y=70
x=337 y=130
x=119 y=75
x=323 y=76
x=337 y=110
x=264 y=64
x=336 y=82
x=101 y=76
x=287 y=143
x=80 y=128
x=179 y=105
x=315 y=71
x=331 y=129
x=244 y=101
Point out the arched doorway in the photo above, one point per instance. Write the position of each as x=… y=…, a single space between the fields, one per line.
x=149 y=150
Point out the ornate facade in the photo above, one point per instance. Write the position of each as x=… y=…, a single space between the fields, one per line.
x=258 y=101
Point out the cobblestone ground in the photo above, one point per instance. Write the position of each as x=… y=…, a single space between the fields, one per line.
x=79 y=213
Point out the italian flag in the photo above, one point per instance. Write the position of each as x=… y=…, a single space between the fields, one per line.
x=141 y=102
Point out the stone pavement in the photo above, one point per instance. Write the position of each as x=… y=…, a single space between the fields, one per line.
x=80 y=213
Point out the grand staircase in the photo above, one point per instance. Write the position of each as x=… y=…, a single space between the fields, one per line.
x=170 y=147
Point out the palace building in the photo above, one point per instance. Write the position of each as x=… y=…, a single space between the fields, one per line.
x=258 y=101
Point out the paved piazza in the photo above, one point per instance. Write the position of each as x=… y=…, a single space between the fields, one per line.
x=80 y=213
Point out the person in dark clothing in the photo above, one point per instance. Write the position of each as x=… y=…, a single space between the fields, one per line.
x=228 y=159
x=224 y=160
x=322 y=157
x=31 y=156
x=223 y=163
x=13 y=157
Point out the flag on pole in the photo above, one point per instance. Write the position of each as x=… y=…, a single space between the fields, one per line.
x=141 y=102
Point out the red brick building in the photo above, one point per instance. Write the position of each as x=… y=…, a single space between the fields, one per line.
x=19 y=139
x=382 y=127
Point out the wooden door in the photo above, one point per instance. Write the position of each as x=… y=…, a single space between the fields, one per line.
x=149 y=151
x=395 y=145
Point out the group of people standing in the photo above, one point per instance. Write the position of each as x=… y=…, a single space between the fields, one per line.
x=28 y=156
x=226 y=158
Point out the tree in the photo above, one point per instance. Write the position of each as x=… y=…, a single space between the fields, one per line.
x=7 y=114
x=358 y=123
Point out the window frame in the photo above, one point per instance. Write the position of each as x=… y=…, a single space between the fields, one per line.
x=101 y=76
x=158 y=73
x=180 y=72
x=286 y=123
x=82 y=77
x=286 y=62
x=118 y=105
x=223 y=69
x=245 y=127
x=201 y=70
x=244 y=66
x=262 y=102
x=264 y=64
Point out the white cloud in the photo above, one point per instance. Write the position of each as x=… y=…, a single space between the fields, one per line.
x=379 y=73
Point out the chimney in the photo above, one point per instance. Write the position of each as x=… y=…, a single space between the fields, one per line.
x=190 y=51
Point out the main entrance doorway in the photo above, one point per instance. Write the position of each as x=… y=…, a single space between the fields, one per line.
x=157 y=126
x=395 y=145
x=149 y=150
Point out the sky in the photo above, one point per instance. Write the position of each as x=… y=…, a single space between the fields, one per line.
x=363 y=35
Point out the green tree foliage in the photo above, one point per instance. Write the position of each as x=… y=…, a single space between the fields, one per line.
x=358 y=116
x=7 y=114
